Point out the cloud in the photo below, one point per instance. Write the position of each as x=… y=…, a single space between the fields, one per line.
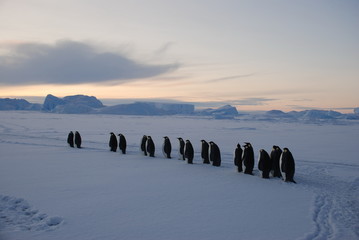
x=69 y=62
x=164 y=48
x=252 y=101
x=239 y=102
x=229 y=78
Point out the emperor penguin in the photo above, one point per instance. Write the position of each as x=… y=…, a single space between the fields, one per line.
x=248 y=158
x=150 y=146
x=78 y=139
x=143 y=145
x=181 y=149
x=70 y=139
x=238 y=158
x=204 y=152
x=166 y=147
x=288 y=165
x=275 y=156
x=214 y=154
x=113 y=142
x=122 y=143
x=264 y=163
x=188 y=152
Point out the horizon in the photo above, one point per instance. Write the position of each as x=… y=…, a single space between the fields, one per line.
x=255 y=55
x=198 y=105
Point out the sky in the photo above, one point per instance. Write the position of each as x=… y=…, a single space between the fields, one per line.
x=252 y=54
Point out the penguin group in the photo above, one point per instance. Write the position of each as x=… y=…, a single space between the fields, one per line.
x=74 y=139
x=121 y=143
x=148 y=147
x=273 y=164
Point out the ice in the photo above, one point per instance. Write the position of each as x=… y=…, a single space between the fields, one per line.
x=82 y=104
x=51 y=191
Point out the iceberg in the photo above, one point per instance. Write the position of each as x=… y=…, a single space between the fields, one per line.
x=7 y=104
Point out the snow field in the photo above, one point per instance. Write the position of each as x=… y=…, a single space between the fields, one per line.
x=92 y=193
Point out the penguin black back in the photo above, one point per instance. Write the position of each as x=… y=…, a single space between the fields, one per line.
x=238 y=157
x=70 y=139
x=264 y=163
x=78 y=140
x=248 y=158
x=275 y=156
x=113 y=142
x=143 y=145
x=122 y=143
x=204 y=152
x=188 y=151
x=287 y=161
x=166 y=147
x=214 y=154
x=181 y=149
x=150 y=146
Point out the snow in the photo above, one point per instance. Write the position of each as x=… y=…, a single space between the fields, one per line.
x=71 y=104
x=225 y=112
x=18 y=104
x=51 y=191
x=148 y=108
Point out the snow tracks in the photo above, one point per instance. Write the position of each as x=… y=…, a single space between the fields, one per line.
x=17 y=215
x=336 y=204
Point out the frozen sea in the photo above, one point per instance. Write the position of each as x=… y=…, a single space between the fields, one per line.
x=51 y=191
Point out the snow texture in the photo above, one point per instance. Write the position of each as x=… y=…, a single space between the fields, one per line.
x=16 y=214
x=51 y=191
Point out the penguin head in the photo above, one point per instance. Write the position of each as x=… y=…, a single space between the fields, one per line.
x=285 y=149
x=180 y=139
x=238 y=145
x=148 y=137
x=248 y=144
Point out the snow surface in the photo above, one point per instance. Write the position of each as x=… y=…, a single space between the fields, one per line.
x=51 y=191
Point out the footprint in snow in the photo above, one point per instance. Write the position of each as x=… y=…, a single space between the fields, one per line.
x=16 y=214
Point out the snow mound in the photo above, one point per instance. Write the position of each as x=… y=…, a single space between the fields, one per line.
x=18 y=104
x=16 y=214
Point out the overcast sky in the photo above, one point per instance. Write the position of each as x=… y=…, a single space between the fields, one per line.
x=254 y=54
